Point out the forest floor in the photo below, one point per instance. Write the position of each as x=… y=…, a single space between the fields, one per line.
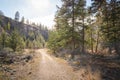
x=39 y=65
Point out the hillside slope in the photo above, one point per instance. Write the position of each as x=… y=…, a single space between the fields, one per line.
x=24 y=29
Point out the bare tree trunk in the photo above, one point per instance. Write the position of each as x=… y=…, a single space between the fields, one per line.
x=107 y=19
x=73 y=24
x=83 y=37
x=96 y=48
x=91 y=34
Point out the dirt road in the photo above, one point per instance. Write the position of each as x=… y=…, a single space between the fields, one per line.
x=52 y=68
x=43 y=67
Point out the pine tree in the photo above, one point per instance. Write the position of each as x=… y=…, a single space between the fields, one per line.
x=17 y=16
x=110 y=27
x=80 y=11
x=16 y=41
x=3 y=39
x=1 y=13
x=70 y=25
x=23 y=19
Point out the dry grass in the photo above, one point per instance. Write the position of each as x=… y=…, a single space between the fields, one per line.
x=21 y=70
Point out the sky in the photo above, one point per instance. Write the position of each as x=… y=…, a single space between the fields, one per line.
x=38 y=11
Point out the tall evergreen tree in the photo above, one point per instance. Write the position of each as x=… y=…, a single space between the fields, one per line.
x=110 y=28
x=16 y=41
x=70 y=25
x=17 y=16
x=3 y=39
x=1 y=13
x=23 y=19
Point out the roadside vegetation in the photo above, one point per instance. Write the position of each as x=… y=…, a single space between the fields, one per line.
x=88 y=36
x=93 y=29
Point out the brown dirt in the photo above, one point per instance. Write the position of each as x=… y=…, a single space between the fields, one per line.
x=43 y=67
